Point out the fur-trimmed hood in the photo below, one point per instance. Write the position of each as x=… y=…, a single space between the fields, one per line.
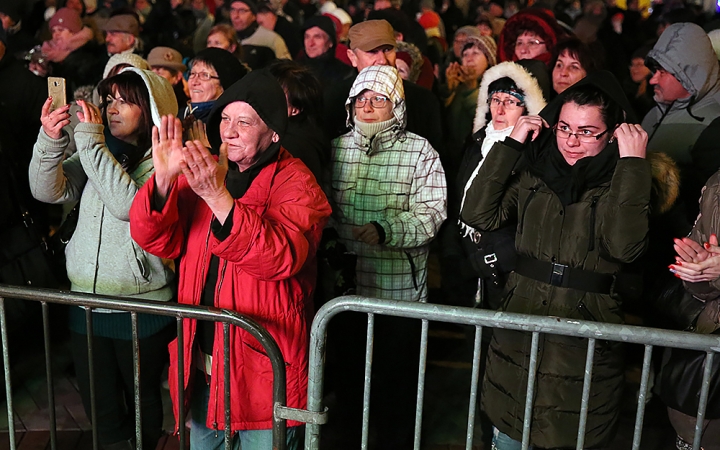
x=534 y=100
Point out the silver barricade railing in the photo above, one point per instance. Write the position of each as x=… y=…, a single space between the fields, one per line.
x=537 y=325
x=180 y=312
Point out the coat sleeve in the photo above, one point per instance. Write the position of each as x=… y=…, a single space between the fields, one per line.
x=113 y=184
x=161 y=232
x=708 y=223
x=624 y=223
x=492 y=199
x=54 y=179
x=275 y=244
x=428 y=205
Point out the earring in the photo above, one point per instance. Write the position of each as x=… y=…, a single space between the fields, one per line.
x=612 y=139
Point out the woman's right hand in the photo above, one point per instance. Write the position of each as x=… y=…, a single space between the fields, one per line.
x=167 y=152
x=632 y=140
x=528 y=126
x=54 y=121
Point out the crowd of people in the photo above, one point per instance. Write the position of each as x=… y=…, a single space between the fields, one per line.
x=557 y=159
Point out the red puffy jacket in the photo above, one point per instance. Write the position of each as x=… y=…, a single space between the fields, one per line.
x=267 y=271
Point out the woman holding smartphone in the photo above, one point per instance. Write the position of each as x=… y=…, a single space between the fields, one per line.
x=112 y=162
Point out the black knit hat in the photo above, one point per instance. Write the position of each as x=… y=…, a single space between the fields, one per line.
x=260 y=90
x=324 y=23
x=506 y=85
x=227 y=66
x=11 y=8
x=250 y=4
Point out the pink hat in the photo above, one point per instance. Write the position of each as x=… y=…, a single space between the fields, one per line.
x=66 y=18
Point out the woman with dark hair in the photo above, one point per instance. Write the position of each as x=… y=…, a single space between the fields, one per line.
x=575 y=180
x=575 y=60
x=304 y=138
x=112 y=161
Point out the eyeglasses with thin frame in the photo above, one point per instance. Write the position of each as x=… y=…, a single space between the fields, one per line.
x=531 y=43
x=377 y=101
x=584 y=136
x=204 y=76
x=508 y=103
x=240 y=10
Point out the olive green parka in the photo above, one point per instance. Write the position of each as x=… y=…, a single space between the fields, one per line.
x=602 y=229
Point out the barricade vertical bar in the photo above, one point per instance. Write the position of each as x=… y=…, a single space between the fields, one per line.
x=49 y=376
x=6 y=367
x=91 y=376
x=704 y=391
x=181 y=382
x=421 y=382
x=226 y=388
x=136 y=380
x=316 y=375
x=585 y=394
x=532 y=368
x=474 y=383
x=368 y=374
x=642 y=395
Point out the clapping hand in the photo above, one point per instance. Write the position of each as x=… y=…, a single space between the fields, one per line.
x=167 y=153
x=696 y=263
x=632 y=140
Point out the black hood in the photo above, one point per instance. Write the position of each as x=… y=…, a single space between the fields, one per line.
x=324 y=23
x=261 y=91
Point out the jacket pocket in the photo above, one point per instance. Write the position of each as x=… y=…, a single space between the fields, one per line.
x=396 y=193
x=139 y=265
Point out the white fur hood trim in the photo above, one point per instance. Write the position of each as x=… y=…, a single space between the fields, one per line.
x=534 y=100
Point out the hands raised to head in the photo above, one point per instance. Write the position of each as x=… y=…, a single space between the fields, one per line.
x=632 y=140
x=528 y=126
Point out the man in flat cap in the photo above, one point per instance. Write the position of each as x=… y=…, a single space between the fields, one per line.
x=372 y=43
x=121 y=34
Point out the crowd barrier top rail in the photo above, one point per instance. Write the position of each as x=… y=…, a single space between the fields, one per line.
x=179 y=311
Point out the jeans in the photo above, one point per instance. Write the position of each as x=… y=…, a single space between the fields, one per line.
x=502 y=441
x=204 y=438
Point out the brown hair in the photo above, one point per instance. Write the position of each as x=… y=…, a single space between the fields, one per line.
x=231 y=35
x=131 y=87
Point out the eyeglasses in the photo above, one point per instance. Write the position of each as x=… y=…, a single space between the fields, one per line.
x=531 y=43
x=508 y=103
x=378 y=101
x=204 y=76
x=584 y=136
x=240 y=10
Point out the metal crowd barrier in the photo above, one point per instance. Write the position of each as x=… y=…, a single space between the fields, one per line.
x=227 y=318
x=536 y=325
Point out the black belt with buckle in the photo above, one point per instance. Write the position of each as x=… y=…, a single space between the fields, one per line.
x=564 y=276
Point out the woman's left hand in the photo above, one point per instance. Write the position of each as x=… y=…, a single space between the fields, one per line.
x=632 y=140
x=707 y=270
x=90 y=113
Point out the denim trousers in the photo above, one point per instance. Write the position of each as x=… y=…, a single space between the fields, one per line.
x=502 y=441
x=204 y=438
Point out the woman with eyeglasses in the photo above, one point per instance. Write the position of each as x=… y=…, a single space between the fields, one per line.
x=530 y=34
x=211 y=72
x=576 y=181
x=508 y=92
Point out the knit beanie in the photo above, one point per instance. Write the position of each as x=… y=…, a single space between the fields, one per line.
x=324 y=23
x=506 y=85
x=261 y=90
x=429 y=19
x=468 y=30
x=250 y=4
x=486 y=45
x=10 y=9
x=66 y=18
x=227 y=66
x=125 y=58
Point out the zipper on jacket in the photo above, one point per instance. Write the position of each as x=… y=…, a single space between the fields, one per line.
x=585 y=312
x=412 y=270
x=533 y=191
x=591 y=230
x=216 y=363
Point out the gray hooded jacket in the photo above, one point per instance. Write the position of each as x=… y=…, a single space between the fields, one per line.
x=101 y=256
x=685 y=51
